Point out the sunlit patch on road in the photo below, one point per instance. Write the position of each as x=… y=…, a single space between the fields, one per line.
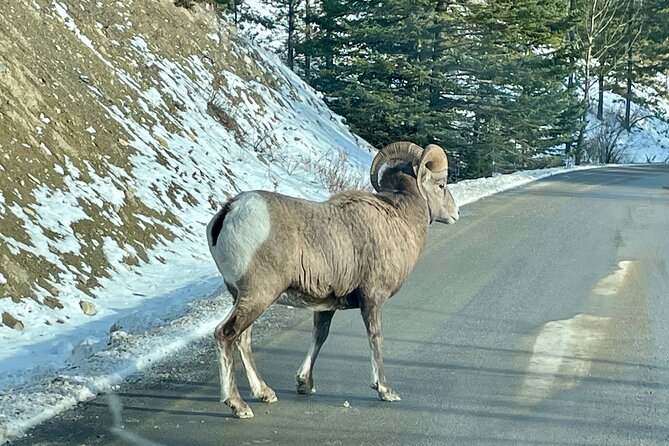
x=118 y=429
x=561 y=356
x=563 y=350
x=613 y=283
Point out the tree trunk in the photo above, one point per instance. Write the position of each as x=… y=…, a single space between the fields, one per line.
x=571 y=36
x=290 y=60
x=600 y=99
x=628 y=93
x=435 y=52
x=586 y=77
x=580 y=142
x=329 y=57
x=307 y=37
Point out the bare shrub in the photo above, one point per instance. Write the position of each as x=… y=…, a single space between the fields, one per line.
x=260 y=140
x=263 y=142
x=221 y=110
x=604 y=144
x=336 y=173
x=650 y=159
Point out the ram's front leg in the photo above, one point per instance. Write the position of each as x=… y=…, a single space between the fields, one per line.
x=305 y=377
x=371 y=314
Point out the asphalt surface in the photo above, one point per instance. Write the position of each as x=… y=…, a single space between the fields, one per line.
x=540 y=318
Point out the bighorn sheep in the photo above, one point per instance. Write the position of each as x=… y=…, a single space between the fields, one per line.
x=354 y=250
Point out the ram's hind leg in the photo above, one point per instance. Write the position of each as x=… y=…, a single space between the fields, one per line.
x=244 y=313
x=305 y=378
x=259 y=389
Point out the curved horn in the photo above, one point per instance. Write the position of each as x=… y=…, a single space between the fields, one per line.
x=435 y=160
x=397 y=151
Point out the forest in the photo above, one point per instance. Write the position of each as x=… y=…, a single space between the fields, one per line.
x=500 y=84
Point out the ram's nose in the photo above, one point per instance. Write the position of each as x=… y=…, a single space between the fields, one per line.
x=455 y=216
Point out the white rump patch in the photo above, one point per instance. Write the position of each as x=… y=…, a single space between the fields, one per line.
x=245 y=228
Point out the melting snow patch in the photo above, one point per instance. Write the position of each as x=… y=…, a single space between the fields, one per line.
x=613 y=283
x=561 y=356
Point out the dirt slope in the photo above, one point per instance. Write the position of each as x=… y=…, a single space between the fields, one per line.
x=118 y=122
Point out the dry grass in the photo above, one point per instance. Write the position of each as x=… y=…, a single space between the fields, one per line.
x=336 y=173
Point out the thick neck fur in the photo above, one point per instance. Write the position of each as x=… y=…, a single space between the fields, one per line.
x=403 y=194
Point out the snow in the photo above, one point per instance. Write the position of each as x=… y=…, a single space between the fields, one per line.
x=469 y=191
x=147 y=313
x=267 y=38
x=648 y=140
x=144 y=313
x=176 y=315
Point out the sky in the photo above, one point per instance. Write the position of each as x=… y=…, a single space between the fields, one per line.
x=148 y=313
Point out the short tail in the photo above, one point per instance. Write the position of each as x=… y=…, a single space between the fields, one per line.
x=216 y=224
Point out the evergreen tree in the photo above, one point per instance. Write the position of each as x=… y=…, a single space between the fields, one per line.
x=486 y=81
x=493 y=82
x=654 y=47
x=651 y=52
x=326 y=42
x=290 y=19
x=518 y=75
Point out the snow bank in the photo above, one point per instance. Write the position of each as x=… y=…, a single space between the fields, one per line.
x=180 y=317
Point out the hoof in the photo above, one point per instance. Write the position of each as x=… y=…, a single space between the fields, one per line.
x=239 y=409
x=304 y=390
x=389 y=395
x=267 y=396
x=244 y=413
x=304 y=387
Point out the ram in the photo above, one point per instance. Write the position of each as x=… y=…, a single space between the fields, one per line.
x=354 y=250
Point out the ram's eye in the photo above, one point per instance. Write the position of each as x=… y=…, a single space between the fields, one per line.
x=442 y=185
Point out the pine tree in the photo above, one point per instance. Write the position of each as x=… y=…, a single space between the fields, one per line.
x=518 y=78
x=486 y=81
x=325 y=44
x=290 y=19
x=650 y=54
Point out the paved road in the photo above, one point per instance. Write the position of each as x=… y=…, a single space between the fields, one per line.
x=540 y=318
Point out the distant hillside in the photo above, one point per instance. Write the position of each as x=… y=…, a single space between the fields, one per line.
x=123 y=125
x=648 y=139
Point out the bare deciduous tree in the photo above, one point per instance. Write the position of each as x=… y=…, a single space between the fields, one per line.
x=602 y=31
x=604 y=145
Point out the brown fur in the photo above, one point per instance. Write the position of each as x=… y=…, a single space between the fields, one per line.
x=354 y=250
x=324 y=250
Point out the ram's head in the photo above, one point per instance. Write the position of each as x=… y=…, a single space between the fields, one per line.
x=428 y=166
